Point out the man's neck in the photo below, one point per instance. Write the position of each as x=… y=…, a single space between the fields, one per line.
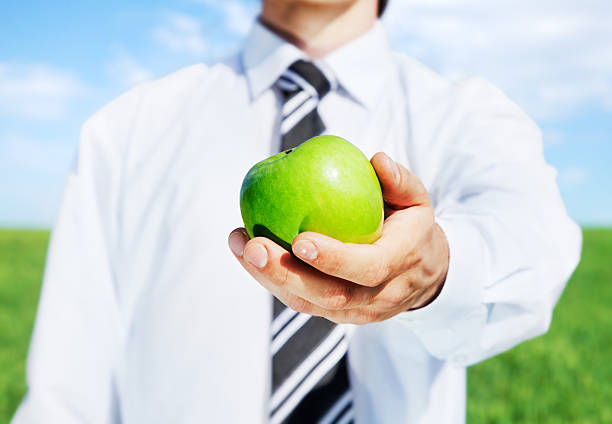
x=319 y=28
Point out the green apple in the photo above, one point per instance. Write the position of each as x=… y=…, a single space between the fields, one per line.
x=326 y=185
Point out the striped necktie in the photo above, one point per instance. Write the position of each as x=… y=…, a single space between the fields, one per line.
x=309 y=366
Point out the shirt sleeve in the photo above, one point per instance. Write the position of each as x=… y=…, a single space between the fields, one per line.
x=77 y=331
x=512 y=245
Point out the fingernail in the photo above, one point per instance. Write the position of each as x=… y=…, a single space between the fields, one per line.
x=256 y=255
x=305 y=249
x=396 y=173
x=236 y=242
x=394 y=166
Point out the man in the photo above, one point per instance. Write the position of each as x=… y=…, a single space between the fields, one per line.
x=145 y=316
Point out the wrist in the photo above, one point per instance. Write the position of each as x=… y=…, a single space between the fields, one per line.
x=442 y=255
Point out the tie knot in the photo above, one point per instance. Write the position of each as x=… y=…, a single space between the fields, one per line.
x=304 y=76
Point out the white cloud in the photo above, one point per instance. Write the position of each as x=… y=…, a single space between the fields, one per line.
x=553 y=138
x=181 y=33
x=572 y=176
x=37 y=90
x=36 y=172
x=551 y=56
x=48 y=157
x=237 y=16
x=126 y=70
x=601 y=217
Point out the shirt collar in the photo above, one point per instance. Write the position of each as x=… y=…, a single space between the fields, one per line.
x=265 y=57
x=359 y=66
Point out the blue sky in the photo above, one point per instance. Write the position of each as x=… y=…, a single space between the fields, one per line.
x=61 y=61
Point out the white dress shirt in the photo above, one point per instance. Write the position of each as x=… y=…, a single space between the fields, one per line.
x=146 y=317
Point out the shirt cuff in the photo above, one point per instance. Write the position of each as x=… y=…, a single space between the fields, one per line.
x=448 y=323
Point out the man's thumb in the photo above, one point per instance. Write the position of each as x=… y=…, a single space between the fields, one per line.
x=400 y=187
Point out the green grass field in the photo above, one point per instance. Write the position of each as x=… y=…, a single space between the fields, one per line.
x=564 y=376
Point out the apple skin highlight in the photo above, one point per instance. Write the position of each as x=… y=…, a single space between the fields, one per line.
x=325 y=185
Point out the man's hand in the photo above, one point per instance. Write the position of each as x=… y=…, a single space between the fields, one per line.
x=358 y=283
